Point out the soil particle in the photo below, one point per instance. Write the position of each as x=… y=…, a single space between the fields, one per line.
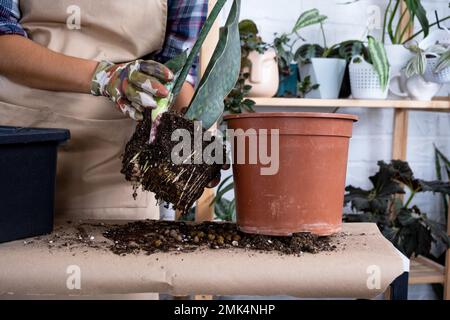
x=185 y=237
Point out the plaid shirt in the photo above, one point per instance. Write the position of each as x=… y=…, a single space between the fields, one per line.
x=184 y=21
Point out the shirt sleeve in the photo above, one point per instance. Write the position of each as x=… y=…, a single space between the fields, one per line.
x=9 y=18
x=184 y=21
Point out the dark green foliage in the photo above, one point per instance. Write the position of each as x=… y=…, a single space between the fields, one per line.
x=406 y=226
x=442 y=165
x=224 y=209
x=236 y=101
x=306 y=86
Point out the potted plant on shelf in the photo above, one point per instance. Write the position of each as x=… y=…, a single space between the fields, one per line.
x=258 y=62
x=396 y=24
x=425 y=72
x=321 y=66
x=370 y=78
x=284 y=46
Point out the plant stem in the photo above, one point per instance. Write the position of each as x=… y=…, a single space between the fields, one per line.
x=383 y=36
x=323 y=35
x=421 y=30
x=196 y=48
x=411 y=196
x=391 y=20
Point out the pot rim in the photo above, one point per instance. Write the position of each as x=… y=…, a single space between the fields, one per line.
x=322 y=115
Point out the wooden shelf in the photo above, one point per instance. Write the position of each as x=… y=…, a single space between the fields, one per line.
x=424 y=271
x=441 y=104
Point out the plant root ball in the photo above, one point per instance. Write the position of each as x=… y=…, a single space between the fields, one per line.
x=149 y=165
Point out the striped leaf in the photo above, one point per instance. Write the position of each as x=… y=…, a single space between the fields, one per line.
x=308 y=18
x=443 y=62
x=379 y=61
x=221 y=73
x=416 y=65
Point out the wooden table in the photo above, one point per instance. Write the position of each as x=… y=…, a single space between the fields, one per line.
x=363 y=266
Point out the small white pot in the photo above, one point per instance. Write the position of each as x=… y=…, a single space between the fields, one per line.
x=398 y=56
x=364 y=80
x=328 y=73
x=417 y=88
x=264 y=77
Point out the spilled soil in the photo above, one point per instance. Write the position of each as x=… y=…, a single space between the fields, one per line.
x=164 y=236
x=150 y=166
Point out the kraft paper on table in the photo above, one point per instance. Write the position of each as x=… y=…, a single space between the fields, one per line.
x=36 y=269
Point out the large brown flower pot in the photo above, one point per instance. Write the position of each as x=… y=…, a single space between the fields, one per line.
x=307 y=192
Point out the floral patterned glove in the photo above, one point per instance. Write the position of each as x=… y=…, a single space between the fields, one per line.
x=133 y=86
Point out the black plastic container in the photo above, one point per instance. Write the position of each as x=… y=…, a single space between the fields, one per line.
x=27 y=180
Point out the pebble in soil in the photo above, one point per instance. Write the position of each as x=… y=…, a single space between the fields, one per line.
x=164 y=236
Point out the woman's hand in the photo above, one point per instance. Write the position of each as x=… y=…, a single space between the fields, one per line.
x=132 y=86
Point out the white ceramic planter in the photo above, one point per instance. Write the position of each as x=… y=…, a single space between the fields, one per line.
x=398 y=56
x=264 y=77
x=364 y=80
x=417 y=88
x=328 y=73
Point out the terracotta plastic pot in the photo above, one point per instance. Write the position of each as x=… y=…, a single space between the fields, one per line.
x=306 y=193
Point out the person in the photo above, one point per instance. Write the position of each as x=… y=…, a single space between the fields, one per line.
x=68 y=63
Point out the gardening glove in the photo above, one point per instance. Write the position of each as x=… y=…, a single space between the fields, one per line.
x=132 y=86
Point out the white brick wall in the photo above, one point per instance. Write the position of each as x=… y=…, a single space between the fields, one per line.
x=372 y=134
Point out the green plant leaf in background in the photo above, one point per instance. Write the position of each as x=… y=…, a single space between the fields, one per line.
x=416 y=65
x=247 y=26
x=306 y=52
x=379 y=61
x=443 y=62
x=221 y=74
x=416 y=9
x=308 y=18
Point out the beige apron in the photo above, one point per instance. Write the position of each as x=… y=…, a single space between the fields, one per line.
x=89 y=183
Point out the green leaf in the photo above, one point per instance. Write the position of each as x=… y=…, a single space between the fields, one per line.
x=247 y=26
x=175 y=64
x=391 y=21
x=443 y=62
x=406 y=217
x=307 y=51
x=221 y=74
x=197 y=46
x=219 y=188
x=416 y=65
x=308 y=18
x=435 y=186
x=379 y=61
x=416 y=9
x=348 y=49
x=438 y=230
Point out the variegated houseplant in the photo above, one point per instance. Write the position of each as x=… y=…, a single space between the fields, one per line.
x=370 y=75
x=147 y=158
x=284 y=45
x=433 y=63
